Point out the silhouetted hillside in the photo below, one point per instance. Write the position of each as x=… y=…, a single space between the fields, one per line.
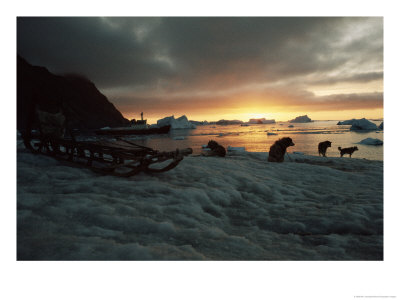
x=82 y=103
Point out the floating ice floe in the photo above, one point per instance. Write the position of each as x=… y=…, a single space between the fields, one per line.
x=105 y=128
x=363 y=124
x=371 y=141
x=227 y=133
x=230 y=148
x=359 y=124
x=178 y=138
x=179 y=123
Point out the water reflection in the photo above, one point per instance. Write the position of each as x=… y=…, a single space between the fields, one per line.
x=255 y=138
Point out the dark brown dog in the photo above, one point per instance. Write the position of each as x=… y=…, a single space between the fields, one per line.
x=347 y=151
x=323 y=146
x=216 y=149
x=278 y=149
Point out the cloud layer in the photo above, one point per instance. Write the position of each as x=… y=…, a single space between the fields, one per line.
x=217 y=60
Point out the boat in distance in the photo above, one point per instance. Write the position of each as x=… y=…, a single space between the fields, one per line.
x=136 y=127
x=132 y=130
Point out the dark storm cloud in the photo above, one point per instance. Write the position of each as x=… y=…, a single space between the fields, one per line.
x=149 y=57
x=109 y=54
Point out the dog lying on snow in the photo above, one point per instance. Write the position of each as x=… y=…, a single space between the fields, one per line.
x=216 y=149
x=322 y=147
x=349 y=150
x=278 y=149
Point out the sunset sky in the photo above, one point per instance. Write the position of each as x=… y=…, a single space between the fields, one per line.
x=219 y=68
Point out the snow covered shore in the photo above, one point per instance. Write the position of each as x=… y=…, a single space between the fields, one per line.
x=235 y=208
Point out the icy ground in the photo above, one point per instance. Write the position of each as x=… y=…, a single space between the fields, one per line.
x=235 y=208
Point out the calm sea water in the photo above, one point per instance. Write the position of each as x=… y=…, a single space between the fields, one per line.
x=254 y=138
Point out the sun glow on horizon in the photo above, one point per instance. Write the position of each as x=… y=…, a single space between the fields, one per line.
x=153 y=116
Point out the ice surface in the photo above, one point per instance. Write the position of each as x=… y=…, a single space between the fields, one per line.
x=179 y=123
x=239 y=207
x=371 y=141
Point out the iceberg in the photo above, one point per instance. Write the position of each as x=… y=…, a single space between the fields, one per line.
x=360 y=124
x=229 y=122
x=198 y=122
x=363 y=124
x=347 y=122
x=371 y=141
x=179 y=123
x=261 y=121
x=301 y=119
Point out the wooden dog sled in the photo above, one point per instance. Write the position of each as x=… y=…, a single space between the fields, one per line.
x=119 y=157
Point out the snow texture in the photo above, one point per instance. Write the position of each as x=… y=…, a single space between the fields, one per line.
x=371 y=141
x=179 y=123
x=207 y=208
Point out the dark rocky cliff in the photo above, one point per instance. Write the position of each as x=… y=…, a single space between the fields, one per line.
x=81 y=102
